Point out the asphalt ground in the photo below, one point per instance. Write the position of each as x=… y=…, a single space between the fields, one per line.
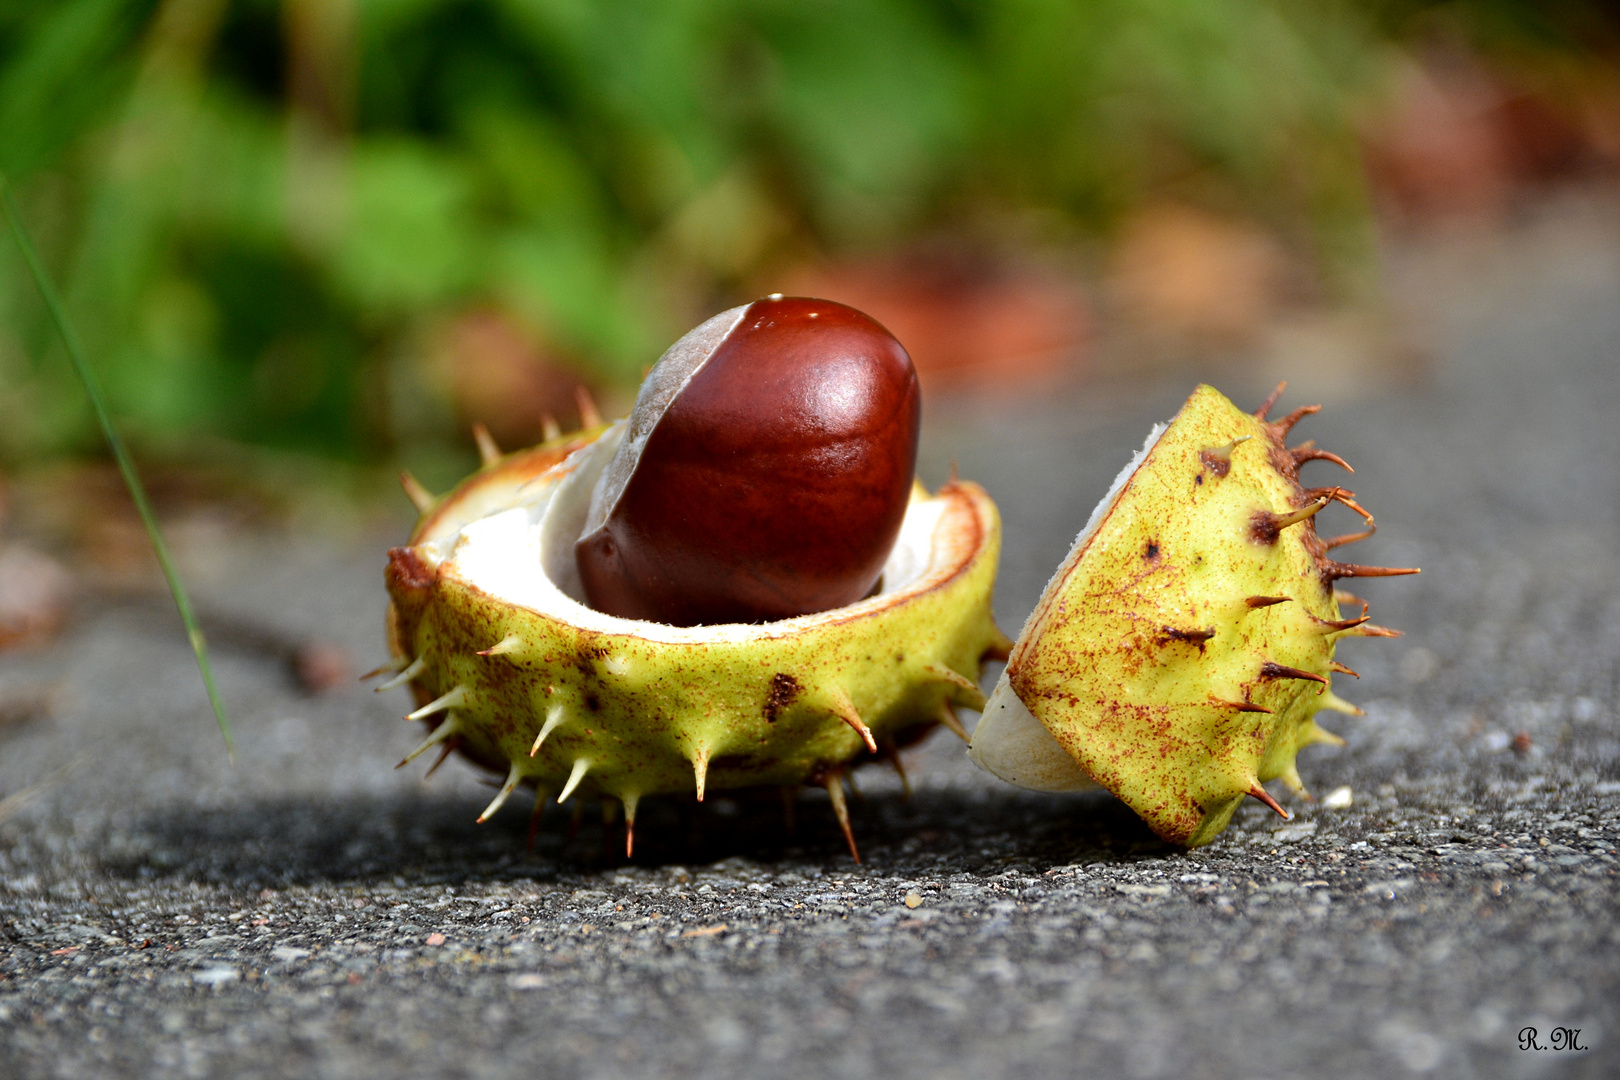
x=311 y=912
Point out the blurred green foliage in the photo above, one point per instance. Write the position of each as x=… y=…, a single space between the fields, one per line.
x=262 y=209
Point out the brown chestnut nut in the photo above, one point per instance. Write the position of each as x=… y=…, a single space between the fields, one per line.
x=764 y=472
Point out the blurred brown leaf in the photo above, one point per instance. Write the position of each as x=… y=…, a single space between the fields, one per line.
x=1461 y=139
x=503 y=377
x=1182 y=273
x=966 y=319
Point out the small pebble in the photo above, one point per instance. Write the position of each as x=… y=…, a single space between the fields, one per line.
x=913 y=901
x=1339 y=798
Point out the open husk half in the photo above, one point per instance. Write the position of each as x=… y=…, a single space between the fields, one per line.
x=1183 y=649
x=509 y=666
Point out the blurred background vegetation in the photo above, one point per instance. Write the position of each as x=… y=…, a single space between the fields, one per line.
x=343 y=229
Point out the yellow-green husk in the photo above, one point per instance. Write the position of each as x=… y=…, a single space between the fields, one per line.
x=1161 y=657
x=651 y=716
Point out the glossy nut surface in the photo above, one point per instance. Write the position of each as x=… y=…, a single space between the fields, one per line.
x=775 y=480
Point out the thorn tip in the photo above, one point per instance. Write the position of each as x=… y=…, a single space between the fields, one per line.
x=396 y=665
x=420 y=497
x=966 y=694
x=409 y=672
x=1336 y=570
x=835 y=792
x=1271 y=399
x=1265 y=526
x=509 y=643
x=589 y=417
x=554 y=716
x=582 y=765
x=631 y=800
x=455 y=697
x=513 y=776
x=1335 y=626
x=844 y=709
x=451 y=745
x=1270 y=670
x=1265 y=796
x=449 y=728
x=1286 y=424
x=488 y=452
x=948 y=717
x=1330 y=700
x=1307 y=452
x=1218 y=459
x=700 y=769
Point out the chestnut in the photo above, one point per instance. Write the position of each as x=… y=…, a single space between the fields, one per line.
x=764 y=473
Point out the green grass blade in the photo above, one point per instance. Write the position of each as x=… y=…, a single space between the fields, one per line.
x=126 y=464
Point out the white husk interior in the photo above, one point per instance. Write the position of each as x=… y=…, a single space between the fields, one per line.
x=525 y=556
x=1009 y=741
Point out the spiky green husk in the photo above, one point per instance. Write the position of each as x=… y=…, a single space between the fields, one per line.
x=1181 y=653
x=634 y=713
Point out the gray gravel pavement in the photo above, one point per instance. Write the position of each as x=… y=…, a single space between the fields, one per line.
x=312 y=912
